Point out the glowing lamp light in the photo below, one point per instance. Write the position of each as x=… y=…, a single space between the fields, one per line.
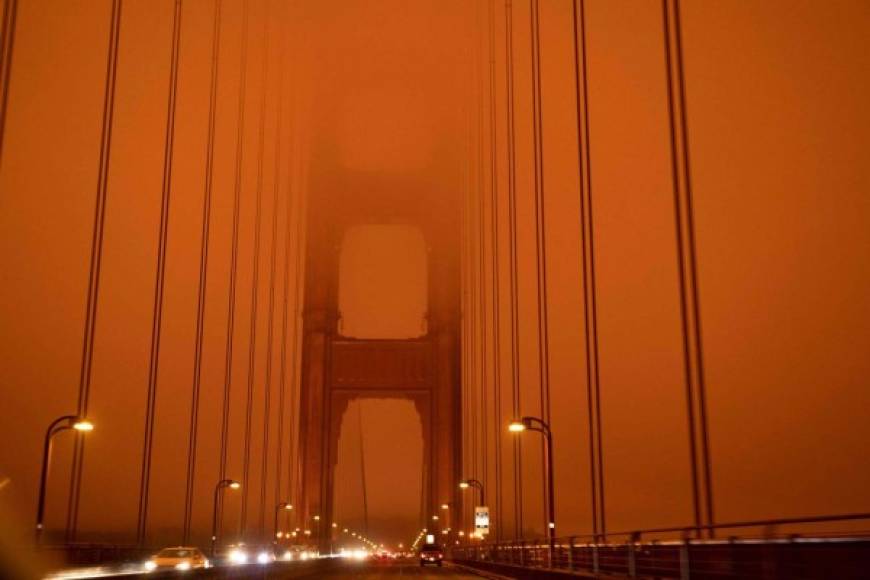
x=464 y=485
x=516 y=427
x=235 y=485
x=83 y=425
x=444 y=506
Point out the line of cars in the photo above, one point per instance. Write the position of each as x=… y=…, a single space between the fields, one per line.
x=184 y=558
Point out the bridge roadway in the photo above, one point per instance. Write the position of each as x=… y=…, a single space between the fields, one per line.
x=372 y=570
x=322 y=569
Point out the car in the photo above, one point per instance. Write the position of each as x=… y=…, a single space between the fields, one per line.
x=180 y=558
x=431 y=554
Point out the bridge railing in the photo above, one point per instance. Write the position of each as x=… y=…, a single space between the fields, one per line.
x=781 y=548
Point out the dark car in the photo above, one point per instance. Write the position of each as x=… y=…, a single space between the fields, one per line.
x=431 y=554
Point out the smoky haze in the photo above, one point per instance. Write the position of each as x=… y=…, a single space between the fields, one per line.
x=385 y=116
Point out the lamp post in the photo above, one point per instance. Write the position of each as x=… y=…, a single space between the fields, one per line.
x=476 y=484
x=466 y=483
x=63 y=423
x=224 y=483
x=535 y=424
x=286 y=506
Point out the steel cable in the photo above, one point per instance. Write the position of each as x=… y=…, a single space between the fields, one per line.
x=234 y=256
x=496 y=302
x=203 y=276
x=540 y=231
x=271 y=312
x=95 y=268
x=590 y=305
x=687 y=262
x=7 y=44
x=255 y=285
x=160 y=281
x=514 y=292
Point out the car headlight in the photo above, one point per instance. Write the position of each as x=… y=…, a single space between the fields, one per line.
x=263 y=558
x=150 y=565
x=182 y=566
x=238 y=557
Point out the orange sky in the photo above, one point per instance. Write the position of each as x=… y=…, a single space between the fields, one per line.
x=382 y=101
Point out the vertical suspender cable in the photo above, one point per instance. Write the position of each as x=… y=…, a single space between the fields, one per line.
x=473 y=278
x=496 y=301
x=234 y=256
x=540 y=235
x=295 y=377
x=590 y=305
x=295 y=410
x=271 y=316
x=362 y=468
x=203 y=276
x=95 y=265
x=282 y=383
x=255 y=282
x=687 y=260
x=465 y=333
x=481 y=242
x=514 y=293
x=7 y=43
x=288 y=246
x=159 y=282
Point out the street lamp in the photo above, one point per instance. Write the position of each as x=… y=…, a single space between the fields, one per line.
x=466 y=483
x=64 y=423
x=286 y=506
x=224 y=483
x=535 y=424
x=476 y=484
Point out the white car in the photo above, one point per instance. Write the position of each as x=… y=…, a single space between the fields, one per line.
x=179 y=558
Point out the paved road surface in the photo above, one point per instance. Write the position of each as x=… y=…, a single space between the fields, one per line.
x=322 y=569
x=351 y=570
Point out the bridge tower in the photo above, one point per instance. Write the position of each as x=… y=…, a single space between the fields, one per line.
x=337 y=369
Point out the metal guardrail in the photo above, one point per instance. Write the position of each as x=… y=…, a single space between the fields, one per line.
x=761 y=551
